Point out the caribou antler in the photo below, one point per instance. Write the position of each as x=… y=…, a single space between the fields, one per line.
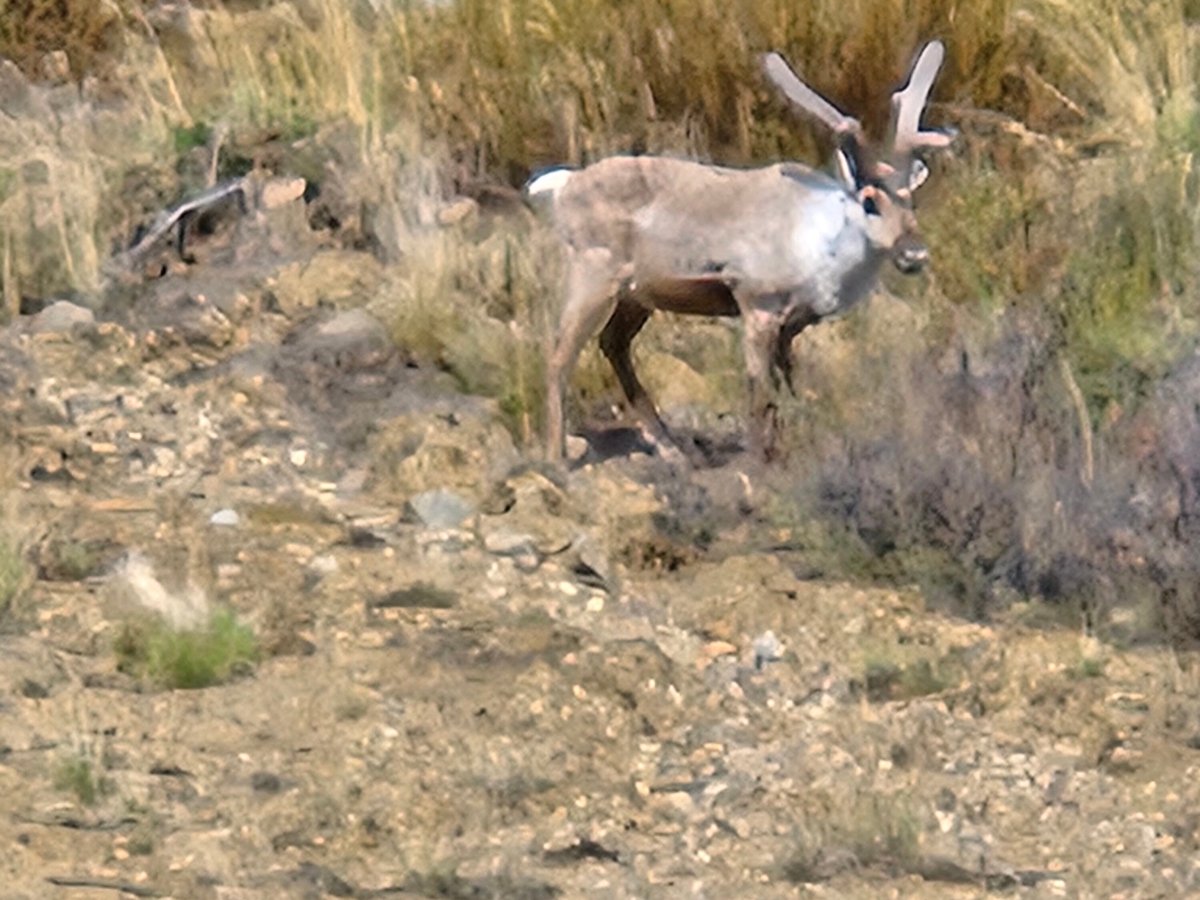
x=806 y=98
x=909 y=103
x=847 y=129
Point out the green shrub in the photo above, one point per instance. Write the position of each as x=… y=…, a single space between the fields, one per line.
x=1124 y=321
x=153 y=651
x=887 y=679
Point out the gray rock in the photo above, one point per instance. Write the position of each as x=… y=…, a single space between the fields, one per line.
x=17 y=96
x=352 y=325
x=593 y=564
x=61 y=316
x=441 y=508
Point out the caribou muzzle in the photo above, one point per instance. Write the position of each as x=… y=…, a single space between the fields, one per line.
x=910 y=255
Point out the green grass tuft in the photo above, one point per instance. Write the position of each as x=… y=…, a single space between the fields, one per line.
x=1125 y=326
x=13 y=574
x=187 y=660
x=75 y=775
x=1088 y=667
x=888 y=680
x=188 y=137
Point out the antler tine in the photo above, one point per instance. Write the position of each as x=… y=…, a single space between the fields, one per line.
x=806 y=98
x=909 y=103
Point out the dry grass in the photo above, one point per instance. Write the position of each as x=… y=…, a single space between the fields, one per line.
x=76 y=775
x=536 y=82
x=473 y=307
x=867 y=829
x=16 y=574
x=542 y=81
x=84 y=31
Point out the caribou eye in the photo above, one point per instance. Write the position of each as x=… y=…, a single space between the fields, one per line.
x=870 y=207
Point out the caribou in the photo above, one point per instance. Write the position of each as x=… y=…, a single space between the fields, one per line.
x=781 y=247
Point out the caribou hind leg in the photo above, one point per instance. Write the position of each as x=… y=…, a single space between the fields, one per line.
x=591 y=296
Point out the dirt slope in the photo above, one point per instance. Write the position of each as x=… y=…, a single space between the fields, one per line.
x=484 y=679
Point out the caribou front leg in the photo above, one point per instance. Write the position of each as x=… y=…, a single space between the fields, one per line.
x=615 y=340
x=760 y=336
x=782 y=359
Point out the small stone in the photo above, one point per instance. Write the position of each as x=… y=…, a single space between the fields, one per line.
x=225 y=517
x=266 y=782
x=680 y=802
x=767 y=649
x=323 y=565
x=576 y=447
x=506 y=542
x=55 y=67
x=1125 y=759
x=227 y=572
x=280 y=191
x=33 y=690
x=165 y=460
x=713 y=649
x=458 y=211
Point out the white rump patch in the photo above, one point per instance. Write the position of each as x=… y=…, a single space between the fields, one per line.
x=548 y=183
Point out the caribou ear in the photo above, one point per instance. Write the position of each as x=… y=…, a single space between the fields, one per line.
x=917 y=174
x=845 y=169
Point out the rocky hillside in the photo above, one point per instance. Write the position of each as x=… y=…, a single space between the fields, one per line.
x=291 y=607
x=470 y=676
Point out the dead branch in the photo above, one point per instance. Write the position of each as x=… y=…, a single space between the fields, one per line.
x=105 y=884
x=167 y=220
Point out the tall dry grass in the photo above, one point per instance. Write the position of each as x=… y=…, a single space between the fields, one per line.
x=487 y=90
x=524 y=81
